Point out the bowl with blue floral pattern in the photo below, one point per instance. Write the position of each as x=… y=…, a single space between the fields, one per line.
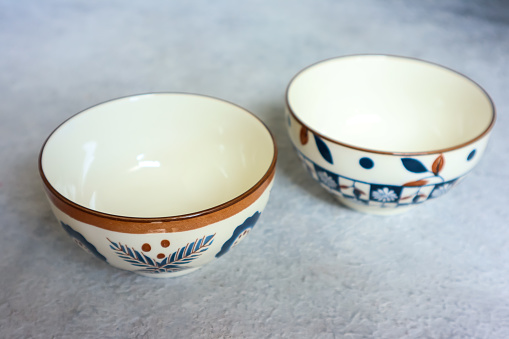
x=159 y=184
x=386 y=133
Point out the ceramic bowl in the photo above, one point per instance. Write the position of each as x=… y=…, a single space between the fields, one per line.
x=385 y=133
x=159 y=184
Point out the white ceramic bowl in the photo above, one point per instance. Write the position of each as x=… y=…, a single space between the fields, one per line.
x=384 y=133
x=159 y=184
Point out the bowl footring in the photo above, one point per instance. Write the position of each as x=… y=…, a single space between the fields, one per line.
x=372 y=209
x=170 y=274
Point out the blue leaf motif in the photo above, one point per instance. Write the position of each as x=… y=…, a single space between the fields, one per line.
x=198 y=243
x=148 y=260
x=190 y=249
x=208 y=240
x=324 y=149
x=413 y=165
x=138 y=255
x=177 y=261
x=181 y=253
x=130 y=252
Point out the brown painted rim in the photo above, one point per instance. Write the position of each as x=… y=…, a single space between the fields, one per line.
x=368 y=150
x=175 y=223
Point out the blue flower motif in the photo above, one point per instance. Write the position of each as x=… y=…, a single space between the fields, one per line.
x=384 y=195
x=82 y=242
x=440 y=190
x=327 y=180
x=239 y=233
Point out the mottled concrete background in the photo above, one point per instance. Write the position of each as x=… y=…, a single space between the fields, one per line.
x=310 y=268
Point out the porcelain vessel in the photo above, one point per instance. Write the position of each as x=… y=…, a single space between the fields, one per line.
x=159 y=184
x=385 y=133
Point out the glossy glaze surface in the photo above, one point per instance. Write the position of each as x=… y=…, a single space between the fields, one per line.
x=310 y=268
x=157 y=155
x=389 y=103
x=385 y=133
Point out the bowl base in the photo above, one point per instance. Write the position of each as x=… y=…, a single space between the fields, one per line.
x=168 y=275
x=372 y=209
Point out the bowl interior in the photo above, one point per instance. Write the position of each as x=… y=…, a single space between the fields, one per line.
x=157 y=155
x=390 y=104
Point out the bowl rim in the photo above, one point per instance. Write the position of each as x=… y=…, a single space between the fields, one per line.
x=263 y=181
x=374 y=151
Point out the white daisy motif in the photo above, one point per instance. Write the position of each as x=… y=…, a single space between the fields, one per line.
x=441 y=190
x=384 y=195
x=327 y=180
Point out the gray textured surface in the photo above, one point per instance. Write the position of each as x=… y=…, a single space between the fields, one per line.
x=310 y=268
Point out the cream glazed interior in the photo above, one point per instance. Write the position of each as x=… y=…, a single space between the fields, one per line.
x=389 y=104
x=157 y=155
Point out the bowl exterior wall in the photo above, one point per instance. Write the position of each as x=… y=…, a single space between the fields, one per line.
x=376 y=181
x=162 y=253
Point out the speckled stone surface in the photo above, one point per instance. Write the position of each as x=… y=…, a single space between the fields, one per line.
x=310 y=268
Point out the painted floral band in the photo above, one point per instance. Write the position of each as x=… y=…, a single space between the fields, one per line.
x=370 y=194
